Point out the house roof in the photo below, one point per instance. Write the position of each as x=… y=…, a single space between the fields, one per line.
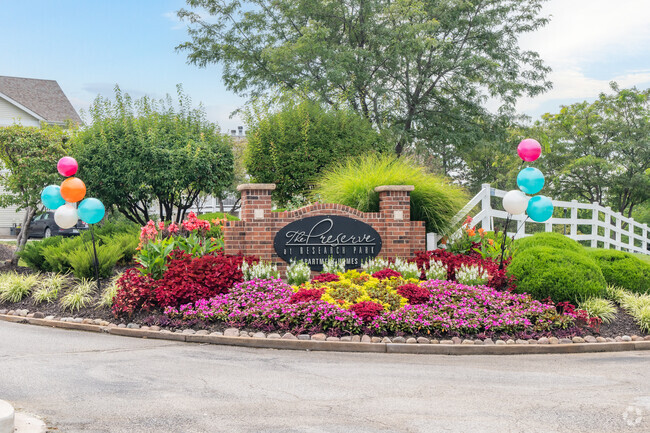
x=43 y=97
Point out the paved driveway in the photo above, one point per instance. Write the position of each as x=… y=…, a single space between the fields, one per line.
x=86 y=382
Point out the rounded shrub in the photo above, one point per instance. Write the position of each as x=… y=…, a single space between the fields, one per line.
x=352 y=183
x=548 y=239
x=562 y=275
x=623 y=270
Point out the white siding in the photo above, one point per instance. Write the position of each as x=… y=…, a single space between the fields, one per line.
x=10 y=114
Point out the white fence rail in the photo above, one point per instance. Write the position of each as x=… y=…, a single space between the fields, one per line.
x=615 y=227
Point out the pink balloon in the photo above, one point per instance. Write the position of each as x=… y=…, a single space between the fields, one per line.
x=529 y=149
x=67 y=166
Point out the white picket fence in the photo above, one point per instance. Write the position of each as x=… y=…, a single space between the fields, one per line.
x=615 y=226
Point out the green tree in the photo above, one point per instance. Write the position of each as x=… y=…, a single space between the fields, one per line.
x=289 y=144
x=600 y=151
x=29 y=156
x=422 y=68
x=138 y=152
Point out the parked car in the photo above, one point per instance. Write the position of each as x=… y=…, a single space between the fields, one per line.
x=43 y=226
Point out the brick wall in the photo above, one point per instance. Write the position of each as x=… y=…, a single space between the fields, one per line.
x=254 y=233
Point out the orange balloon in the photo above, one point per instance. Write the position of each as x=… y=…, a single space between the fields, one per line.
x=73 y=189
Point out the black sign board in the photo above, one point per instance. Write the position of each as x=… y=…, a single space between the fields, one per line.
x=315 y=239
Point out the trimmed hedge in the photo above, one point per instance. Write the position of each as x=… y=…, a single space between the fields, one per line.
x=548 y=239
x=562 y=275
x=623 y=270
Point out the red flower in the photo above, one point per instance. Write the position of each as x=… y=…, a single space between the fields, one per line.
x=306 y=295
x=367 y=310
x=414 y=293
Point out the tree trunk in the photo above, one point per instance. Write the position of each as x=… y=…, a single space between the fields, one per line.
x=220 y=204
x=21 y=239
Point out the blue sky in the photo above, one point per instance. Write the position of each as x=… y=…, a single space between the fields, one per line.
x=89 y=46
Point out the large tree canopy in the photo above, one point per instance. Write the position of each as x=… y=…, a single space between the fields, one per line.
x=423 y=68
x=29 y=156
x=600 y=151
x=138 y=152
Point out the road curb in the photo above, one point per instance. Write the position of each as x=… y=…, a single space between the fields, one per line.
x=342 y=346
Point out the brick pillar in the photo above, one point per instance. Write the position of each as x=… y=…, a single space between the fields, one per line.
x=395 y=209
x=255 y=201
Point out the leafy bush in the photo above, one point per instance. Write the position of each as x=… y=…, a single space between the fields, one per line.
x=291 y=145
x=307 y=295
x=562 y=275
x=83 y=258
x=367 y=310
x=189 y=279
x=134 y=293
x=434 y=200
x=325 y=277
x=385 y=274
x=414 y=293
x=298 y=272
x=33 y=256
x=623 y=269
x=49 y=288
x=79 y=296
x=638 y=306
x=548 y=239
x=109 y=292
x=602 y=308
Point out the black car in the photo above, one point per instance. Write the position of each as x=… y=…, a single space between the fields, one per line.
x=43 y=226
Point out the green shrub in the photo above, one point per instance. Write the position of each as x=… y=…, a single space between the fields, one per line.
x=548 y=239
x=352 y=183
x=49 y=288
x=109 y=292
x=127 y=243
x=562 y=275
x=623 y=269
x=15 y=287
x=81 y=260
x=33 y=256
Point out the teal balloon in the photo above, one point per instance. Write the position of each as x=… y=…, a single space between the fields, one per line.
x=51 y=197
x=530 y=180
x=91 y=211
x=540 y=208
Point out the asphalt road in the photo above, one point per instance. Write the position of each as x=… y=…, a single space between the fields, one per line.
x=86 y=382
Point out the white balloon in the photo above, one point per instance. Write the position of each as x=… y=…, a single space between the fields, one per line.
x=515 y=202
x=65 y=216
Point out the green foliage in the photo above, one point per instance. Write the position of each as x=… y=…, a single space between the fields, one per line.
x=638 y=306
x=598 y=151
x=291 y=145
x=615 y=293
x=109 y=292
x=548 y=239
x=82 y=260
x=79 y=296
x=562 y=275
x=135 y=152
x=217 y=216
x=58 y=256
x=15 y=287
x=623 y=269
x=33 y=256
x=127 y=244
x=602 y=308
x=420 y=68
x=49 y=288
x=434 y=200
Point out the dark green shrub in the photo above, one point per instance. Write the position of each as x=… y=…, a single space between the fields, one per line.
x=352 y=183
x=33 y=256
x=623 y=270
x=548 y=239
x=562 y=275
x=81 y=260
x=57 y=255
x=127 y=244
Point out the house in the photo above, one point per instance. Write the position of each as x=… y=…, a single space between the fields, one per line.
x=29 y=102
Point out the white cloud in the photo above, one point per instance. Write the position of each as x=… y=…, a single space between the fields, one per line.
x=585 y=41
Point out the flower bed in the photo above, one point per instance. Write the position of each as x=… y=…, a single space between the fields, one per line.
x=452 y=309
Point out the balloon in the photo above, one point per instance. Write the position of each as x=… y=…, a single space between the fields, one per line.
x=73 y=189
x=67 y=166
x=51 y=197
x=540 y=208
x=530 y=180
x=529 y=149
x=66 y=216
x=91 y=210
x=515 y=202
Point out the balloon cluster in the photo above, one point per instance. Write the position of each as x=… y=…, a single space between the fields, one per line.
x=530 y=181
x=60 y=199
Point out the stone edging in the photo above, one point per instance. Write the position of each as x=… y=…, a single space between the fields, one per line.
x=291 y=342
